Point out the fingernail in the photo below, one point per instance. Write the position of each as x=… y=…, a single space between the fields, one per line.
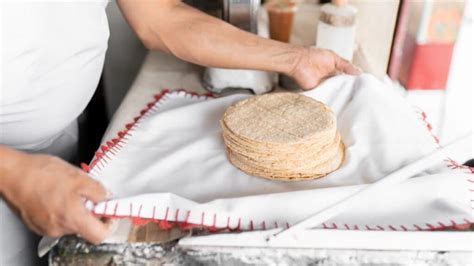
x=109 y=194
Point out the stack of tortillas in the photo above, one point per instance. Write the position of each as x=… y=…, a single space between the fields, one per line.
x=282 y=136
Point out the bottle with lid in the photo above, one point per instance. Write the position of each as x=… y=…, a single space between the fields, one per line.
x=337 y=28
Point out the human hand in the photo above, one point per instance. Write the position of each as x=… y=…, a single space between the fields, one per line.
x=315 y=64
x=211 y=42
x=49 y=194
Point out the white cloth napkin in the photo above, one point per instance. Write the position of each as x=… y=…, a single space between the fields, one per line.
x=170 y=165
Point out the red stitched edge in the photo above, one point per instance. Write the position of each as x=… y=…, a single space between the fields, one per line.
x=114 y=145
x=165 y=223
x=450 y=163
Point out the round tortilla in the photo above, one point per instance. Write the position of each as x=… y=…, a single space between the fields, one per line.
x=303 y=174
x=282 y=136
x=280 y=118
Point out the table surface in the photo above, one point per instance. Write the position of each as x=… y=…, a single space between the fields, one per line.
x=161 y=71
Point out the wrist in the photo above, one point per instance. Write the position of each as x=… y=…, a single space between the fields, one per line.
x=294 y=63
x=10 y=160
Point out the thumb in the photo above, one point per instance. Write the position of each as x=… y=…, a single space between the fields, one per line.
x=90 y=227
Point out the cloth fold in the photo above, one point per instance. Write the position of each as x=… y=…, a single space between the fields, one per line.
x=170 y=165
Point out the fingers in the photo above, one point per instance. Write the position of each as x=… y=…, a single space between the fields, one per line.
x=88 y=226
x=92 y=190
x=346 y=67
x=91 y=228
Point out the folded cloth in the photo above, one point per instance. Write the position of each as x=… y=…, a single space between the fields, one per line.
x=169 y=166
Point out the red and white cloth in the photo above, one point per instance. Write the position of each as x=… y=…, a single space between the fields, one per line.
x=169 y=166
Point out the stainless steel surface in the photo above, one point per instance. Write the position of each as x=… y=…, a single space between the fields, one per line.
x=244 y=15
x=241 y=13
x=73 y=251
x=46 y=244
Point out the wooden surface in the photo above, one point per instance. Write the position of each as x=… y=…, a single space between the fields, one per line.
x=374 y=34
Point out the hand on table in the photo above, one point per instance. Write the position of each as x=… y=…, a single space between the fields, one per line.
x=315 y=64
x=49 y=194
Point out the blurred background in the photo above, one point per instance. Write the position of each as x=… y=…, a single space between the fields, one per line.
x=424 y=48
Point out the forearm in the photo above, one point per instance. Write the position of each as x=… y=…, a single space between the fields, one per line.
x=202 y=39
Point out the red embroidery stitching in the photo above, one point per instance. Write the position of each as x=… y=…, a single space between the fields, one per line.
x=430 y=226
x=85 y=167
x=238 y=224
x=164 y=224
x=116 y=208
x=237 y=228
x=186 y=224
x=140 y=210
x=176 y=216
x=115 y=145
x=213 y=227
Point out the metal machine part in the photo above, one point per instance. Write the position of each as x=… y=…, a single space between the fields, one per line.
x=244 y=15
x=240 y=13
x=226 y=81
